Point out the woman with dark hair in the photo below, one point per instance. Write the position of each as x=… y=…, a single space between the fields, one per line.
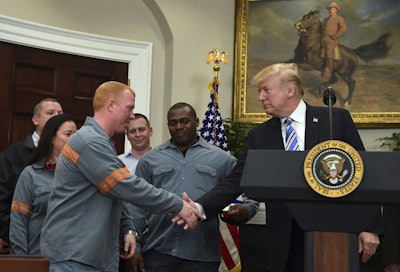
x=29 y=204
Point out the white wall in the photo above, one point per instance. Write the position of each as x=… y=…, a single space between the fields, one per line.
x=182 y=33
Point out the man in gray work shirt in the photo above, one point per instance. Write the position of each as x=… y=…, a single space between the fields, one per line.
x=84 y=211
x=185 y=163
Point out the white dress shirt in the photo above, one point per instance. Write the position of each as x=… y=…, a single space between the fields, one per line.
x=298 y=117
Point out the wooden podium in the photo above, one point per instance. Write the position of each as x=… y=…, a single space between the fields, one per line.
x=331 y=224
x=16 y=263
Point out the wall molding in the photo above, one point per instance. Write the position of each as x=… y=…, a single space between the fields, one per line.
x=137 y=54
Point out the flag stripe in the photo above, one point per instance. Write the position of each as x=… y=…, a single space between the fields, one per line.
x=226 y=256
x=233 y=231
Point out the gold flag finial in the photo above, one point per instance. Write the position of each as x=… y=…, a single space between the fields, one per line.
x=216 y=57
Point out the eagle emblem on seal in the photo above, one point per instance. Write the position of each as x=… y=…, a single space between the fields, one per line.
x=332 y=166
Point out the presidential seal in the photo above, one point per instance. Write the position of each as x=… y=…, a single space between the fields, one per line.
x=333 y=168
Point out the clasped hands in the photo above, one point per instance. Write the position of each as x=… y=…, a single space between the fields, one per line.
x=189 y=214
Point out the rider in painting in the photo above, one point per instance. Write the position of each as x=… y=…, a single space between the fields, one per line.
x=333 y=28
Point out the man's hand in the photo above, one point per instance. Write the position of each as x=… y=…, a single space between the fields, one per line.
x=4 y=247
x=189 y=213
x=129 y=246
x=367 y=244
x=236 y=214
x=136 y=263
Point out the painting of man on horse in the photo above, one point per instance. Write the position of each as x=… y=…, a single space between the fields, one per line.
x=310 y=51
x=365 y=77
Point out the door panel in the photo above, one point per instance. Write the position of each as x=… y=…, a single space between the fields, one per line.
x=28 y=75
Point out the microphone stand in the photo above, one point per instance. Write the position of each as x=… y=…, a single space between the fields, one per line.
x=330 y=100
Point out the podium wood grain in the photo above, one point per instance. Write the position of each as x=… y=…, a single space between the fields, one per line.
x=16 y=263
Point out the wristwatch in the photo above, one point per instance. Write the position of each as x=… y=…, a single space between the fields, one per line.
x=132 y=232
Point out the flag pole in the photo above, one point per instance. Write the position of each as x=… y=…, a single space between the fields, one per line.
x=213 y=132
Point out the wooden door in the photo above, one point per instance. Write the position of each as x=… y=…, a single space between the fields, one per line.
x=28 y=75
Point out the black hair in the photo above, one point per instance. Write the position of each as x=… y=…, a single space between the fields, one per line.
x=181 y=105
x=45 y=146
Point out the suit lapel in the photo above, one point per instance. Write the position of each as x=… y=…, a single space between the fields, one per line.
x=275 y=133
x=312 y=127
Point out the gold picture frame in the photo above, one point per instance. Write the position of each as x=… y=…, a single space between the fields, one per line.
x=367 y=110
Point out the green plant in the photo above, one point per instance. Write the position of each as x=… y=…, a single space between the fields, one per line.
x=393 y=142
x=236 y=133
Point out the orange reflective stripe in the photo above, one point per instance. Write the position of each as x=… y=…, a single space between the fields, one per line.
x=70 y=154
x=109 y=182
x=21 y=207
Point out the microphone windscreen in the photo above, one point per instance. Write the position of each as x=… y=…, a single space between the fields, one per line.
x=329 y=92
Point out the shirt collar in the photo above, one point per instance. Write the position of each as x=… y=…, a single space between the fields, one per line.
x=35 y=138
x=168 y=144
x=299 y=114
x=129 y=154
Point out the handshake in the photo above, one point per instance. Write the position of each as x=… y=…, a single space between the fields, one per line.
x=191 y=212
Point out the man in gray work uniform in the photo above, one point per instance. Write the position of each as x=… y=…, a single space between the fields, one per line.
x=82 y=225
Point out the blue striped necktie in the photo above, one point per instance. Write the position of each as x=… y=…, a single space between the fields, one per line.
x=291 y=142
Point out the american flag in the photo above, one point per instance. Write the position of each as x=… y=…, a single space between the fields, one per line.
x=213 y=131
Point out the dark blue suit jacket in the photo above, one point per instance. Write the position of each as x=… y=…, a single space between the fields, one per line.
x=268 y=135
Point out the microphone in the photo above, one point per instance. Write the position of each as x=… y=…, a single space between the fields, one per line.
x=329 y=94
x=329 y=100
